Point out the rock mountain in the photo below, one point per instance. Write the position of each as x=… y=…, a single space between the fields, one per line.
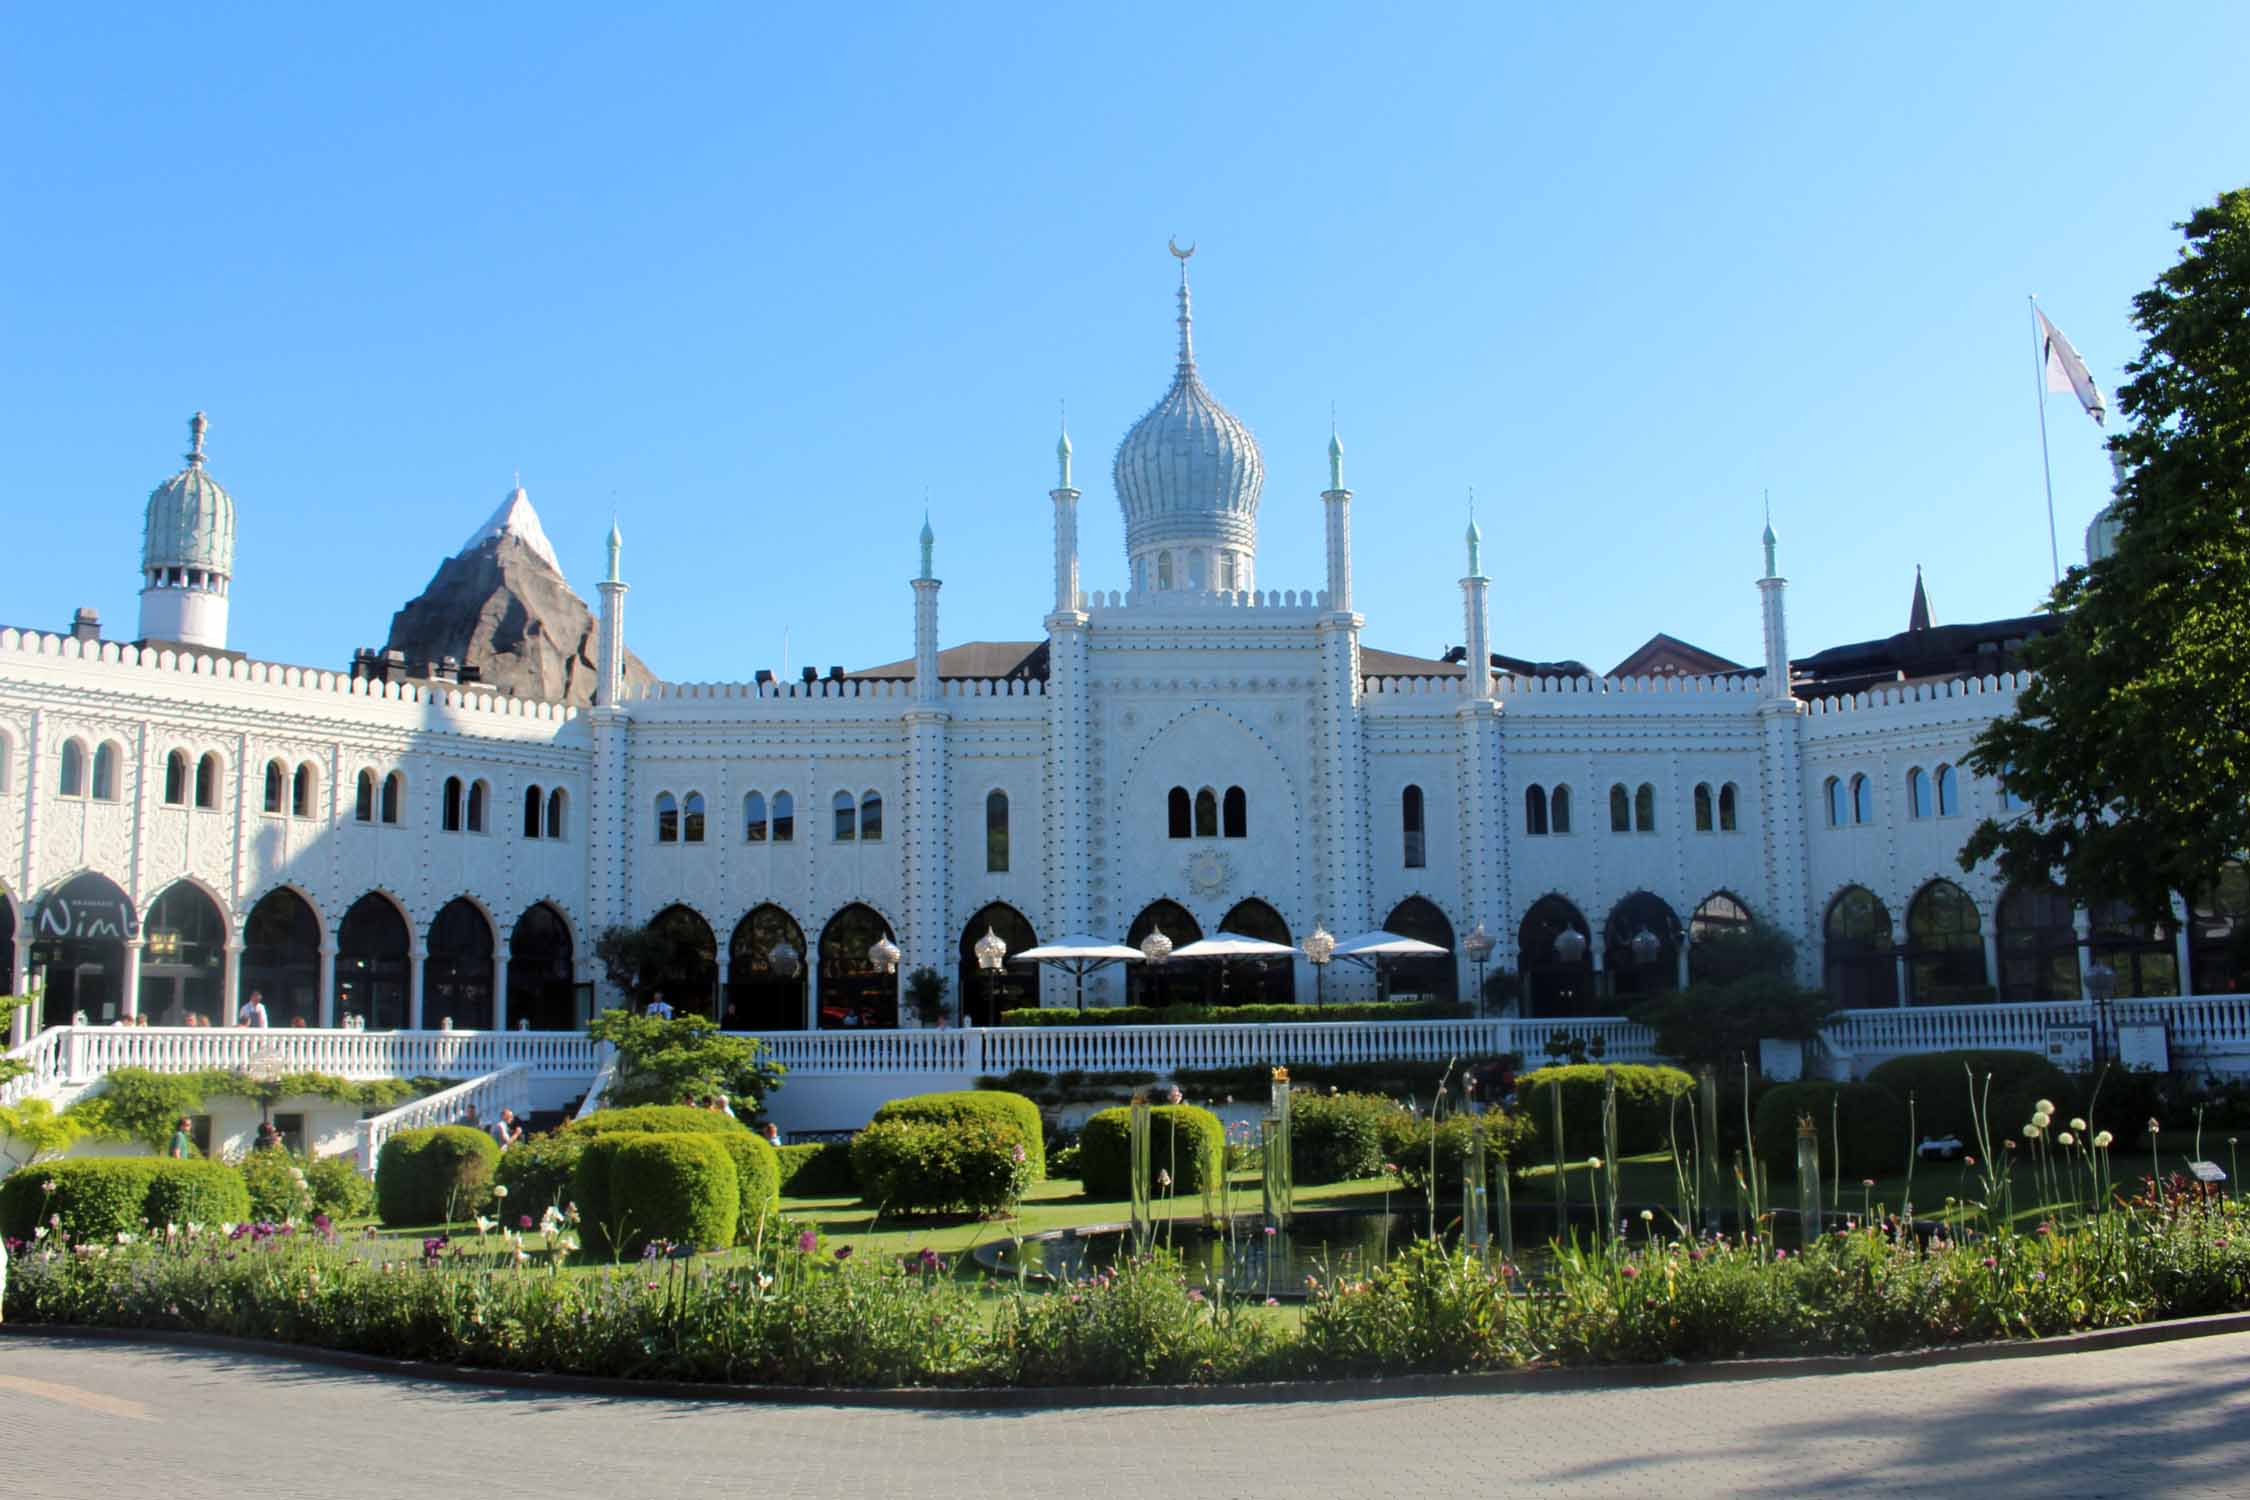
x=501 y=607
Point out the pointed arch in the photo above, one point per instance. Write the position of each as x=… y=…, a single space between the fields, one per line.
x=480 y=804
x=1155 y=984
x=183 y=954
x=685 y=972
x=1431 y=978
x=754 y=824
x=542 y=971
x=83 y=921
x=667 y=818
x=175 y=778
x=281 y=957
x=457 y=974
x=208 y=771
x=1261 y=981
x=767 y=968
x=449 y=814
x=1944 y=947
x=1706 y=810
x=277 y=789
x=1643 y=957
x=983 y=998
x=853 y=991
x=558 y=812
x=1856 y=949
x=1556 y=973
x=1535 y=810
x=363 y=797
x=1728 y=816
x=374 y=948
x=534 y=810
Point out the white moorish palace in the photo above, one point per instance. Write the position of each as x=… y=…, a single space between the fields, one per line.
x=412 y=872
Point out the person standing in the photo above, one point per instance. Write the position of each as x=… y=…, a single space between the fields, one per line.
x=504 y=1131
x=183 y=1140
x=254 y=1013
x=660 y=1007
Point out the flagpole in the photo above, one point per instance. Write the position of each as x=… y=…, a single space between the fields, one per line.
x=2046 y=469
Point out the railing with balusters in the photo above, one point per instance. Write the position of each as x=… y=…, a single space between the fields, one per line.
x=510 y=1088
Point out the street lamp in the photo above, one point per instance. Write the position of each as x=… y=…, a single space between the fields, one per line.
x=1156 y=948
x=1570 y=946
x=883 y=954
x=783 y=960
x=1479 y=945
x=1646 y=945
x=2101 y=983
x=991 y=954
x=1320 y=947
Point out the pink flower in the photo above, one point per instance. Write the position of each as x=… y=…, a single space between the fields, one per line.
x=1630 y=1272
x=807 y=1242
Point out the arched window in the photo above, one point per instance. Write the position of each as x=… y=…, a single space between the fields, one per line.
x=754 y=817
x=853 y=991
x=1863 y=800
x=2139 y=951
x=394 y=794
x=304 y=788
x=1558 y=809
x=73 y=781
x=457 y=974
x=1948 y=792
x=1706 y=817
x=1644 y=809
x=277 y=787
x=449 y=814
x=1832 y=793
x=1412 y=826
x=1644 y=946
x=363 y=798
x=986 y=996
x=1164 y=570
x=106 y=756
x=175 y=779
x=1917 y=794
x=7 y=766
x=1235 y=810
x=1557 y=971
x=1727 y=816
x=1178 y=817
x=766 y=978
x=2038 y=945
x=206 y=781
x=1206 y=814
x=870 y=816
x=1944 y=947
x=784 y=819
x=667 y=818
x=1435 y=977
x=2009 y=801
x=2219 y=951
x=557 y=806
x=479 y=795
x=1535 y=810
x=1856 y=952
x=1620 y=809
x=534 y=805
x=847 y=818
x=1716 y=952
x=996 y=832
x=691 y=818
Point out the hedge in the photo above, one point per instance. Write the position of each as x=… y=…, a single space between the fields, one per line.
x=538 y=1170
x=1870 y=1119
x=1339 y=1137
x=1644 y=1106
x=279 y=1188
x=1184 y=1140
x=819 y=1169
x=666 y=1119
x=434 y=1174
x=975 y=1165
x=101 y=1197
x=1239 y=1015
x=1408 y=1140
x=635 y=1187
x=1939 y=1085
x=1009 y=1111
x=757 y=1176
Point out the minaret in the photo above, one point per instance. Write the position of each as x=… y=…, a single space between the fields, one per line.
x=1770 y=589
x=1066 y=528
x=610 y=799
x=187 y=555
x=610 y=689
x=1338 y=503
x=1478 y=623
x=925 y=621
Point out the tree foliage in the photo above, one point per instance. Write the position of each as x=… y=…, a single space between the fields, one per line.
x=2131 y=745
x=32 y=1131
x=663 y=1060
x=1745 y=991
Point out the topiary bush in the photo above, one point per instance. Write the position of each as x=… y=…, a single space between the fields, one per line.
x=667 y=1119
x=636 y=1187
x=1644 y=1106
x=1939 y=1085
x=1011 y=1112
x=434 y=1174
x=1870 y=1119
x=1184 y=1140
x=974 y=1165
x=757 y=1180
x=338 y=1189
x=1339 y=1137
x=278 y=1186
x=538 y=1171
x=98 y=1198
x=1408 y=1138
x=821 y=1169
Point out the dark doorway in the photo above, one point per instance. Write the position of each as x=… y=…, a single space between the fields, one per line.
x=183 y=957
x=1431 y=978
x=371 y=965
x=766 y=973
x=457 y=977
x=281 y=959
x=853 y=992
x=1256 y=981
x=79 y=943
x=1644 y=948
x=1555 y=960
x=1159 y=984
x=542 y=978
x=685 y=972
x=983 y=996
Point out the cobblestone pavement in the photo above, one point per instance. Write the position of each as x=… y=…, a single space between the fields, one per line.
x=116 y=1421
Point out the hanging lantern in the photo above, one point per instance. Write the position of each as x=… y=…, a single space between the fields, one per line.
x=1646 y=945
x=991 y=952
x=1478 y=944
x=1570 y=946
x=1320 y=945
x=1156 y=947
x=883 y=954
x=783 y=960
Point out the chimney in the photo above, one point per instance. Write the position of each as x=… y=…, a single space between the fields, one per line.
x=86 y=625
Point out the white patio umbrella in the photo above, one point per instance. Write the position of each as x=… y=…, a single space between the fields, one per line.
x=1233 y=945
x=1080 y=955
x=1371 y=948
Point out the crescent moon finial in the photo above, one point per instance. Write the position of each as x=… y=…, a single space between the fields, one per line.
x=1173 y=244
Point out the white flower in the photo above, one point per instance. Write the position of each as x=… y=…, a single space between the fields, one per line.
x=2078 y=1125
x=227 y=1230
x=2101 y=1142
x=123 y=1238
x=500 y=1192
x=2066 y=1139
x=484 y=1225
x=2044 y=1107
x=2031 y=1132
x=1648 y=1216
x=1595 y=1162
x=40 y=1233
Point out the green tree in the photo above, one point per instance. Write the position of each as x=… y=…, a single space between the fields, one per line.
x=34 y=1131
x=1745 y=990
x=663 y=1061
x=2131 y=746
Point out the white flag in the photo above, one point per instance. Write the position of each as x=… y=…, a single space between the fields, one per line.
x=2067 y=372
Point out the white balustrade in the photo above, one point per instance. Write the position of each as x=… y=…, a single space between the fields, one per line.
x=47 y=1056
x=510 y=1088
x=92 y=1051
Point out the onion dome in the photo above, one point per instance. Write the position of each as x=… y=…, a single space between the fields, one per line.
x=1189 y=473
x=190 y=520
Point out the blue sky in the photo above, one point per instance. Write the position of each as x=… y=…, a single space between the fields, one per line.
x=759 y=282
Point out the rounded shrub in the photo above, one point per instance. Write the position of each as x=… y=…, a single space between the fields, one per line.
x=1644 y=1106
x=338 y=1189
x=1184 y=1140
x=1339 y=1137
x=538 y=1171
x=1940 y=1085
x=1869 y=1120
x=1009 y=1111
x=100 y=1197
x=433 y=1174
x=665 y=1119
x=971 y=1165
x=819 y=1169
x=757 y=1174
x=279 y=1187
x=638 y=1187
x=1409 y=1139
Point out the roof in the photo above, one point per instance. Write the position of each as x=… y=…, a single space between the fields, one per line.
x=1664 y=655
x=516 y=518
x=982 y=661
x=1935 y=652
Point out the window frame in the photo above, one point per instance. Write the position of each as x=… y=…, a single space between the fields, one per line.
x=999 y=835
x=843 y=818
x=871 y=816
x=667 y=808
x=755 y=824
x=694 y=818
x=1414 y=825
x=108 y=772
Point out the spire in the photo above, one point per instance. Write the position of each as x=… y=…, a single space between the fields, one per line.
x=929 y=542
x=202 y=424
x=1475 y=538
x=1062 y=454
x=1918 y=617
x=1770 y=539
x=616 y=546
x=1187 y=317
x=1335 y=455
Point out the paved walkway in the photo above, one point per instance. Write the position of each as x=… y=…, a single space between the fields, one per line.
x=127 y=1420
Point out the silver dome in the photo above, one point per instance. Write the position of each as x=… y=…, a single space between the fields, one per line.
x=190 y=518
